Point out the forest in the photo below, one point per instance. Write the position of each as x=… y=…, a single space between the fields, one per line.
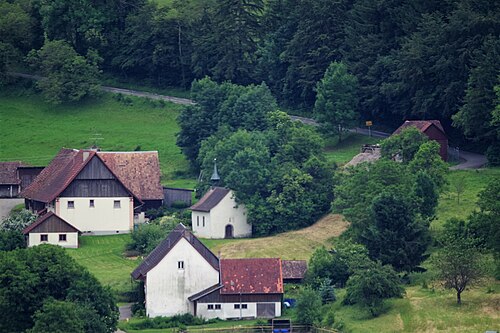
x=411 y=59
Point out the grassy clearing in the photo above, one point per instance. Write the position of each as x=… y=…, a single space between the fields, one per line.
x=475 y=181
x=426 y=310
x=34 y=131
x=299 y=244
x=103 y=257
x=342 y=152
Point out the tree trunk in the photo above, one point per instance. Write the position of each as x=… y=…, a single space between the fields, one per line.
x=459 y=299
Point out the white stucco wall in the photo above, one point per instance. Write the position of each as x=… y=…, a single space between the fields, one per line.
x=102 y=218
x=53 y=238
x=167 y=288
x=226 y=212
x=228 y=311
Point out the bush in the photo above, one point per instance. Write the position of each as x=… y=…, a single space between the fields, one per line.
x=180 y=321
x=309 y=307
x=493 y=154
x=147 y=236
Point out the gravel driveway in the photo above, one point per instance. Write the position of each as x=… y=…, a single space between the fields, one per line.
x=6 y=206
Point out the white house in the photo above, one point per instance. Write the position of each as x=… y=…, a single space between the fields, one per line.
x=181 y=275
x=51 y=229
x=97 y=192
x=217 y=215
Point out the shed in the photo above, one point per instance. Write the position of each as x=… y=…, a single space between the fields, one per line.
x=294 y=271
x=10 y=184
x=174 y=195
x=432 y=129
x=51 y=229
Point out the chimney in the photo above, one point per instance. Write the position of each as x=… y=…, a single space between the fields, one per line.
x=85 y=155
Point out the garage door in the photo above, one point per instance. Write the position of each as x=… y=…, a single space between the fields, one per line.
x=265 y=310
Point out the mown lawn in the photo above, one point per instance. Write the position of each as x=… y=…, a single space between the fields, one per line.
x=474 y=181
x=222 y=326
x=103 y=257
x=34 y=131
x=342 y=152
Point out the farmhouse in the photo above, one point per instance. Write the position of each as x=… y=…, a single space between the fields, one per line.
x=52 y=229
x=181 y=275
x=433 y=129
x=217 y=215
x=97 y=192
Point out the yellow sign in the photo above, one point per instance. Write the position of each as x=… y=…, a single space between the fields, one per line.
x=369 y=123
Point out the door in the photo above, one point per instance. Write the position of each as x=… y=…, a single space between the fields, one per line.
x=265 y=310
x=229 y=231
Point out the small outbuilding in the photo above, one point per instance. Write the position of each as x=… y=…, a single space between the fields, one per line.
x=432 y=129
x=218 y=215
x=294 y=271
x=51 y=229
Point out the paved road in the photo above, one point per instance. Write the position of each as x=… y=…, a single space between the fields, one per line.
x=471 y=160
x=125 y=311
x=6 y=206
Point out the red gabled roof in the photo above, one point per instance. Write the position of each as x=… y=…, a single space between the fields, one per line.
x=42 y=219
x=8 y=173
x=251 y=276
x=138 y=172
x=210 y=199
x=57 y=175
x=421 y=125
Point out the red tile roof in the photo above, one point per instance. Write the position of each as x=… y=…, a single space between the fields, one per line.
x=251 y=276
x=46 y=217
x=294 y=269
x=421 y=125
x=139 y=172
x=8 y=173
x=210 y=199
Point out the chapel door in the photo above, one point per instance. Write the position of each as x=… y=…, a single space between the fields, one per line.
x=229 y=231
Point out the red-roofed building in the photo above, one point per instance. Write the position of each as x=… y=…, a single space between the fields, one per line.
x=51 y=229
x=432 y=129
x=181 y=275
x=97 y=192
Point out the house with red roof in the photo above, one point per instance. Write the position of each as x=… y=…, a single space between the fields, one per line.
x=181 y=275
x=218 y=215
x=432 y=129
x=97 y=192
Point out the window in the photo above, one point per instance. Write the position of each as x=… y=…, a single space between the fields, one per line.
x=243 y=306
x=91 y=203
x=62 y=237
x=217 y=306
x=203 y=220
x=180 y=264
x=197 y=221
x=236 y=306
x=44 y=238
x=210 y=306
x=71 y=204
x=116 y=204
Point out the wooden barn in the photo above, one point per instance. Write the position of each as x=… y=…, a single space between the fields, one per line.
x=433 y=130
x=14 y=177
x=172 y=195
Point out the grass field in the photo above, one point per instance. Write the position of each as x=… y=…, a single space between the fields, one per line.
x=350 y=146
x=103 y=257
x=427 y=310
x=299 y=244
x=226 y=326
x=475 y=181
x=34 y=131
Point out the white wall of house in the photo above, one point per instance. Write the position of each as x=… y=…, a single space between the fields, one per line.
x=226 y=212
x=168 y=287
x=228 y=311
x=53 y=238
x=103 y=217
